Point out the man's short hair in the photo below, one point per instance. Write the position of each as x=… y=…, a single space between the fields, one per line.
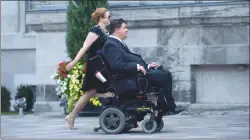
x=116 y=23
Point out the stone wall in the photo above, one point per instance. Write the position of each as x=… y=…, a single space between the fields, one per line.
x=18 y=50
x=181 y=38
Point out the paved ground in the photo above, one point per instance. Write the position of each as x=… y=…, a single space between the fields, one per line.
x=176 y=127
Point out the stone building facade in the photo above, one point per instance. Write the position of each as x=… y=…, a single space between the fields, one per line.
x=205 y=44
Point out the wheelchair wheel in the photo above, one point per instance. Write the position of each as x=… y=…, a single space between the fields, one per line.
x=112 y=121
x=149 y=126
x=160 y=126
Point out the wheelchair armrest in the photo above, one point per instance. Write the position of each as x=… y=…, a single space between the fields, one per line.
x=121 y=75
x=160 y=67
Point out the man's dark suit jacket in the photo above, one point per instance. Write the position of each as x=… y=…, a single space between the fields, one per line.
x=120 y=58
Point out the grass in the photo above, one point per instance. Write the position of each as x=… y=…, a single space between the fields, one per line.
x=15 y=113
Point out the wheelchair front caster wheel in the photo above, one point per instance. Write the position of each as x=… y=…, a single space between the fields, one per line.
x=149 y=126
x=160 y=126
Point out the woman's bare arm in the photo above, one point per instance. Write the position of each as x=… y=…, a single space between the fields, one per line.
x=91 y=37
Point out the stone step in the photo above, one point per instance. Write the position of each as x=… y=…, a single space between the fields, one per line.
x=215 y=109
x=47 y=107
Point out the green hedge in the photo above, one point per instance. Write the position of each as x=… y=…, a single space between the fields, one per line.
x=5 y=99
x=26 y=91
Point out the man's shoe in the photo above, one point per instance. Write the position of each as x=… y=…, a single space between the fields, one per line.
x=178 y=110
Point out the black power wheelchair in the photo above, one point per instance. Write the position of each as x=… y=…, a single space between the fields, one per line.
x=121 y=112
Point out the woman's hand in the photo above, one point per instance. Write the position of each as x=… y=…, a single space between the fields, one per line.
x=70 y=65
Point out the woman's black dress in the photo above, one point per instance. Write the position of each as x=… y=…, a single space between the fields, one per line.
x=90 y=81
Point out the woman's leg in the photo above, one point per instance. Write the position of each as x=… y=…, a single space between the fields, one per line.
x=81 y=103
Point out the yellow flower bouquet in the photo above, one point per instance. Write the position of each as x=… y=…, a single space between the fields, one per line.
x=69 y=84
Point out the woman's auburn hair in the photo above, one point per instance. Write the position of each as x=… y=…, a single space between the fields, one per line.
x=98 y=13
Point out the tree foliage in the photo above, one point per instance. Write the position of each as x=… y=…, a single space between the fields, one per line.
x=79 y=23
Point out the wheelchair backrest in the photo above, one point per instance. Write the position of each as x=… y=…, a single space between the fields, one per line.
x=101 y=66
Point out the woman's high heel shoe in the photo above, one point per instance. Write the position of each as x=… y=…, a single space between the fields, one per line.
x=70 y=121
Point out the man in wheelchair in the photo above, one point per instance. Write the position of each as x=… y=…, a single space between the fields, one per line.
x=136 y=85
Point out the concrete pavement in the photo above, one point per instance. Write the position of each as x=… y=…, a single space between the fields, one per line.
x=176 y=127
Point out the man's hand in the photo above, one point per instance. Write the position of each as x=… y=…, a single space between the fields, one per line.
x=153 y=65
x=142 y=69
